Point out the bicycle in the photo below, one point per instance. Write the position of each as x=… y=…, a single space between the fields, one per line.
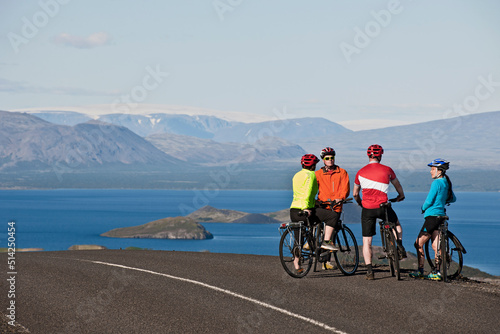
x=296 y=235
x=448 y=244
x=390 y=246
x=347 y=257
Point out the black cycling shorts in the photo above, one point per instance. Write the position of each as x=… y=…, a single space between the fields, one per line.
x=318 y=215
x=369 y=219
x=329 y=217
x=431 y=224
x=297 y=215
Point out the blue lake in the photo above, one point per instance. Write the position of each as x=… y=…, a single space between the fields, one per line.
x=58 y=219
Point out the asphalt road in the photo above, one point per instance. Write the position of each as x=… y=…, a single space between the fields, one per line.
x=180 y=292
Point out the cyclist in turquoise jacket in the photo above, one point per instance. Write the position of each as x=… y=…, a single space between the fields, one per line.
x=437 y=198
x=440 y=195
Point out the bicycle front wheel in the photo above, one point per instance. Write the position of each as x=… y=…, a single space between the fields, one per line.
x=292 y=248
x=347 y=258
x=454 y=257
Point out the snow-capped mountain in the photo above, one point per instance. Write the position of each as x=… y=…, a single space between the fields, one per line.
x=95 y=111
x=199 y=126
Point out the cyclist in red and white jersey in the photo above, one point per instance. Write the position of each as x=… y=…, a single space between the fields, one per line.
x=374 y=180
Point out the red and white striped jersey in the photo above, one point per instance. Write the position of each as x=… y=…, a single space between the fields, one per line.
x=374 y=180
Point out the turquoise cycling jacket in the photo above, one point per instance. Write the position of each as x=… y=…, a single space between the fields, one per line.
x=435 y=202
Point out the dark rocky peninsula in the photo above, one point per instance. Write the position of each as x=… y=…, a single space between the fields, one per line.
x=166 y=228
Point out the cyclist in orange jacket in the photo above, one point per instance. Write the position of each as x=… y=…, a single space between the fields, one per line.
x=333 y=185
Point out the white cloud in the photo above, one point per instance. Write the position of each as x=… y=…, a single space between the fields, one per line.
x=92 y=41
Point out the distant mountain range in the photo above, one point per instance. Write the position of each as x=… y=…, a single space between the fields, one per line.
x=34 y=143
x=293 y=130
x=469 y=142
x=209 y=152
x=178 y=143
x=199 y=126
x=204 y=126
x=461 y=140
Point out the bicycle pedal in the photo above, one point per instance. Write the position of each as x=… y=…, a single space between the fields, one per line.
x=382 y=257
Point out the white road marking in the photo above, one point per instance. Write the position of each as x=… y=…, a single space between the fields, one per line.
x=234 y=294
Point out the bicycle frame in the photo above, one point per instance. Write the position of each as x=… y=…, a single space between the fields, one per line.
x=388 y=235
x=304 y=229
x=443 y=249
x=347 y=257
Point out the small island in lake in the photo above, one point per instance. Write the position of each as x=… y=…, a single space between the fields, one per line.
x=189 y=227
x=166 y=228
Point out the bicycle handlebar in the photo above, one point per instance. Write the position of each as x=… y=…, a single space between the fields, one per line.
x=392 y=200
x=334 y=204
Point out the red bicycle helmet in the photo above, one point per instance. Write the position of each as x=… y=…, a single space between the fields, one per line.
x=327 y=151
x=309 y=160
x=375 y=151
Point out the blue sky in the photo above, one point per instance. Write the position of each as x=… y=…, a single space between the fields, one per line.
x=359 y=63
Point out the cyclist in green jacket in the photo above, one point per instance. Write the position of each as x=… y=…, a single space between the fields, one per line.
x=305 y=188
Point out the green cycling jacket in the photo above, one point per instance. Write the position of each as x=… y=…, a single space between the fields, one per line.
x=305 y=188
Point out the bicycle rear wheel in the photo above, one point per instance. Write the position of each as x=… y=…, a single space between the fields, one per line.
x=290 y=248
x=392 y=254
x=347 y=258
x=454 y=256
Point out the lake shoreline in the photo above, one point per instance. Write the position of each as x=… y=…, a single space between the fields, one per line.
x=479 y=275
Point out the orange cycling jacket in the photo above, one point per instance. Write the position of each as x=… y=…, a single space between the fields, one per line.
x=333 y=184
